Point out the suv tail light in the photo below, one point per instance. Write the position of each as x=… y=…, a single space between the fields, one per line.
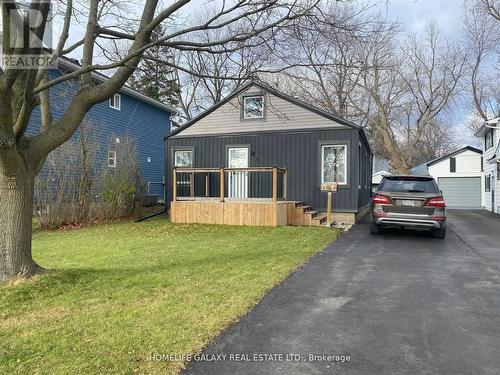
x=381 y=199
x=436 y=202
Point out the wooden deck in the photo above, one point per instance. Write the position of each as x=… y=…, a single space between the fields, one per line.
x=251 y=213
x=214 y=202
x=258 y=213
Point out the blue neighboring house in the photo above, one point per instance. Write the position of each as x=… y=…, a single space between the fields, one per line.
x=145 y=120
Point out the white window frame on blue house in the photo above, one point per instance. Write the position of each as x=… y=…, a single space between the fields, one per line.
x=112 y=159
x=115 y=102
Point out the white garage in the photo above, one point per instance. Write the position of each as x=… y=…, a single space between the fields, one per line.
x=459 y=176
x=461 y=192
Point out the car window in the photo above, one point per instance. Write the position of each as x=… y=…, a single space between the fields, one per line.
x=409 y=185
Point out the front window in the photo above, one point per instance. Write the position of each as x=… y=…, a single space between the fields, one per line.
x=487 y=183
x=253 y=107
x=498 y=170
x=184 y=159
x=112 y=159
x=488 y=139
x=333 y=164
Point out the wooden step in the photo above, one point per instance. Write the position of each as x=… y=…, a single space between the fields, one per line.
x=309 y=217
x=319 y=219
x=303 y=215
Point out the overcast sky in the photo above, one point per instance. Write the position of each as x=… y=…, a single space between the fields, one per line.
x=414 y=14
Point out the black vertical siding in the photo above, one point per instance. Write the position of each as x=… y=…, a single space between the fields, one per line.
x=297 y=151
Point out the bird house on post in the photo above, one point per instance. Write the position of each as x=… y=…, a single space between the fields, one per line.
x=329 y=187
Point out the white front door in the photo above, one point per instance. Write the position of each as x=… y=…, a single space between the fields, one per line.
x=238 y=181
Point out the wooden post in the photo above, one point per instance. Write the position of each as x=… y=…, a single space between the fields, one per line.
x=329 y=211
x=191 y=184
x=285 y=177
x=174 y=182
x=275 y=184
x=221 y=184
x=206 y=185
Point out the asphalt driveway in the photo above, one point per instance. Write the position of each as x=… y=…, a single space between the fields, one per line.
x=397 y=303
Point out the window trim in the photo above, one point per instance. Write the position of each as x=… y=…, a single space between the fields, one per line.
x=498 y=171
x=250 y=96
x=346 y=162
x=113 y=100
x=114 y=157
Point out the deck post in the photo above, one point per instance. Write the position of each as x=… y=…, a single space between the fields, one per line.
x=221 y=184
x=174 y=182
x=191 y=184
x=285 y=178
x=275 y=184
x=206 y=185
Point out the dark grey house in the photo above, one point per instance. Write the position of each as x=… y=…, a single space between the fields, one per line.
x=260 y=127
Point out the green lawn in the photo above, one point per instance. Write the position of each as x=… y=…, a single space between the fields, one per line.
x=120 y=292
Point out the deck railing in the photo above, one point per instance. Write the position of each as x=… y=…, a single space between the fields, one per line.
x=260 y=183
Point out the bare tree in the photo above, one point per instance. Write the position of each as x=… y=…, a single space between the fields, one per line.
x=212 y=77
x=440 y=139
x=326 y=65
x=482 y=36
x=492 y=7
x=22 y=156
x=406 y=91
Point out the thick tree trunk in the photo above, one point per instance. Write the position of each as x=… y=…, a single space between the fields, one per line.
x=16 y=212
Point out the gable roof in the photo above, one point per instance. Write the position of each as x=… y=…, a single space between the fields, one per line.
x=279 y=94
x=73 y=64
x=493 y=123
x=454 y=153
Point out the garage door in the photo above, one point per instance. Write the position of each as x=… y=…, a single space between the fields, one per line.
x=461 y=192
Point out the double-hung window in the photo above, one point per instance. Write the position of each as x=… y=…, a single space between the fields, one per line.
x=334 y=164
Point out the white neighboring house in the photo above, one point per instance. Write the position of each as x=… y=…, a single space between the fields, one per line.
x=377 y=178
x=490 y=132
x=459 y=176
x=380 y=166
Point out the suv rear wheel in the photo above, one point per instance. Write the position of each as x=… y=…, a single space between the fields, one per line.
x=374 y=228
x=440 y=233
